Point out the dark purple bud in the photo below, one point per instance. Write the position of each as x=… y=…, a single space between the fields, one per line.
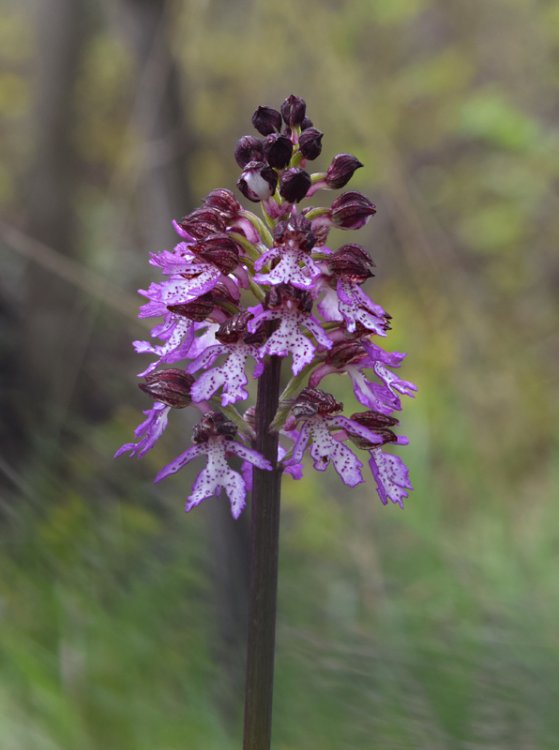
x=341 y=170
x=277 y=150
x=203 y=221
x=266 y=120
x=294 y=184
x=306 y=123
x=198 y=310
x=352 y=262
x=258 y=181
x=232 y=330
x=295 y=231
x=351 y=210
x=220 y=250
x=345 y=352
x=224 y=201
x=213 y=424
x=313 y=401
x=248 y=149
x=310 y=143
x=293 y=110
x=171 y=387
x=377 y=423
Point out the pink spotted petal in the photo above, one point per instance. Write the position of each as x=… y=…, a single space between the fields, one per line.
x=391 y=476
x=148 y=432
x=181 y=461
x=248 y=454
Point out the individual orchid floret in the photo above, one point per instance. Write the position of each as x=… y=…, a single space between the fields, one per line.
x=214 y=437
x=293 y=111
x=341 y=170
x=172 y=387
x=200 y=223
x=277 y=150
x=343 y=297
x=267 y=120
x=148 y=432
x=294 y=184
x=310 y=143
x=177 y=334
x=248 y=149
x=353 y=357
x=294 y=241
x=258 y=181
x=238 y=345
x=292 y=307
x=351 y=210
x=318 y=414
x=390 y=472
x=391 y=476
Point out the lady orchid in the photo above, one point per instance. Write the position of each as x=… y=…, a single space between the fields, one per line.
x=309 y=306
x=238 y=295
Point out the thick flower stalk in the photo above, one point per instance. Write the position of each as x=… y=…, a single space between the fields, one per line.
x=239 y=294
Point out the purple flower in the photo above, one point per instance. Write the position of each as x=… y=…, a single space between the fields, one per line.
x=353 y=357
x=238 y=345
x=316 y=410
x=292 y=309
x=214 y=438
x=238 y=287
x=391 y=476
x=148 y=432
x=295 y=266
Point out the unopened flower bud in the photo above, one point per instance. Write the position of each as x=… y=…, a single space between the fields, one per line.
x=352 y=262
x=294 y=184
x=341 y=170
x=266 y=120
x=293 y=110
x=377 y=423
x=220 y=250
x=313 y=401
x=203 y=221
x=248 y=149
x=277 y=150
x=197 y=310
x=310 y=143
x=258 y=181
x=307 y=123
x=351 y=210
x=213 y=424
x=223 y=201
x=344 y=353
x=171 y=387
x=232 y=330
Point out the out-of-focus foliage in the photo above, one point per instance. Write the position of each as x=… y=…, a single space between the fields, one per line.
x=432 y=628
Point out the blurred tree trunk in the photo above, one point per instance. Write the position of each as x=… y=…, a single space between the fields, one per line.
x=159 y=122
x=165 y=142
x=52 y=311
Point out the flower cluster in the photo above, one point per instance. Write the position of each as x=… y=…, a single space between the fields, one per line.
x=238 y=289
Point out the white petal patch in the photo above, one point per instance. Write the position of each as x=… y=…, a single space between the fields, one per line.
x=289 y=271
x=356 y=307
x=218 y=474
x=289 y=339
x=325 y=448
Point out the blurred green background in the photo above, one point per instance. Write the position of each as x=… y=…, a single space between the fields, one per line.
x=121 y=619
